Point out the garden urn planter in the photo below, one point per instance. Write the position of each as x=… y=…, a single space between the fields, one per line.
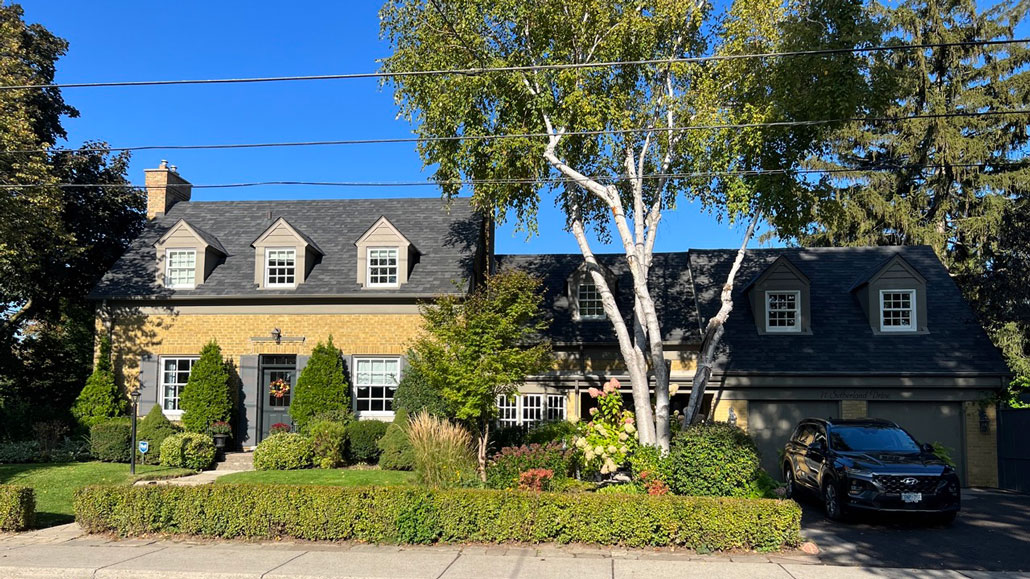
x=220 y=442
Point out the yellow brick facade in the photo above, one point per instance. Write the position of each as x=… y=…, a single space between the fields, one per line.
x=854 y=409
x=722 y=412
x=981 y=447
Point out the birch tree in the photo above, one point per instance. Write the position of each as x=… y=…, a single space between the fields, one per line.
x=606 y=140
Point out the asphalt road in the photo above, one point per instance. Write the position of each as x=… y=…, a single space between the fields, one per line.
x=991 y=533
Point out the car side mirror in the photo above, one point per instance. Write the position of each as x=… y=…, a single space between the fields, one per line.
x=927 y=448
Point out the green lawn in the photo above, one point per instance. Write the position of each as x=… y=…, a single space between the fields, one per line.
x=318 y=476
x=55 y=483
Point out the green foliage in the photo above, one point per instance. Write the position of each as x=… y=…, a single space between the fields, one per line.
x=100 y=398
x=504 y=468
x=363 y=441
x=396 y=452
x=396 y=514
x=621 y=489
x=154 y=428
x=552 y=431
x=17 y=508
x=207 y=396
x=328 y=442
x=321 y=386
x=190 y=450
x=713 y=459
x=944 y=453
x=443 y=451
x=284 y=451
x=609 y=438
x=19 y=451
x=110 y=440
x=417 y=394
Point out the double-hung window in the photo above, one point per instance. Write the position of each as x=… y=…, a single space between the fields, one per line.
x=588 y=301
x=280 y=267
x=529 y=409
x=897 y=310
x=783 y=311
x=180 y=268
x=175 y=373
x=508 y=410
x=555 y=407
x=382 y=267
x=375 y=384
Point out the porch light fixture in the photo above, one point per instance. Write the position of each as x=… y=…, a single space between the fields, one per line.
x=985 y=423
x=732 y=418
x=277 y=335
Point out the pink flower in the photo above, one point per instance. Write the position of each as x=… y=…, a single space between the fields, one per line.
x=615 y=384
x=593 y=411
x=594 y=392
x=608 y=389
x=628 y=420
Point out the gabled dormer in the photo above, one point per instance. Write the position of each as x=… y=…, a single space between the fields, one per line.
x=385 y=256
x=186 y=255
x=584 y=296
x=781 y=299
x=893 y=297
x=283 y=256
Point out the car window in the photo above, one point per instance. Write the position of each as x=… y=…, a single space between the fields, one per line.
x=866 y=438
x=806 y=434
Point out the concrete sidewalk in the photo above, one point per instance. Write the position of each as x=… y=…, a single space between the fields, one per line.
x=63 y=553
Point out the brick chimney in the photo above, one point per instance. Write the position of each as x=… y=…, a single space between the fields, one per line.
x=165 y=188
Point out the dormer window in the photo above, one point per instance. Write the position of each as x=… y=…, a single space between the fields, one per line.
x=180 y=268
x=280 y=267
x=898 y=310
x=588 y=299
x=783 y=311
x=382 y=267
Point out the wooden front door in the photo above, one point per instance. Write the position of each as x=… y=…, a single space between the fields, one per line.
x=276 y=371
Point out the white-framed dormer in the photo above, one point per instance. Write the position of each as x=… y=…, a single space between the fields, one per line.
x=186 y=256
x=385 y=257
x=780 y=299
x=893 y=296
x=899 y=310
x=283 y=256
x=585 y=297
x=783 y=311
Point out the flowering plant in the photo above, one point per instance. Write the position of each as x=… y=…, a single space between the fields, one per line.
x=535 y=479
x=279 y=427
x=610 y=436
x=279 y=388
x=652 y=484
x=219 y=427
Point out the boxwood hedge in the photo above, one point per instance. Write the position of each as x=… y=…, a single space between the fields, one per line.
x=17 y=508
x=420 y=515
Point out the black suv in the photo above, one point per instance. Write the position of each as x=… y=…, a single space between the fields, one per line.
x=868 y=464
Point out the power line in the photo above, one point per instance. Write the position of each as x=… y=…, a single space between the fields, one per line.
x=381 y=141
x=523 y=68
x=530 y=181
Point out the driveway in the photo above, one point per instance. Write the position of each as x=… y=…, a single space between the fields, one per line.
x=991 y=533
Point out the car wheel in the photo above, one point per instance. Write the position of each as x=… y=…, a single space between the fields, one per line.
x=789 y=489
x=831 y=502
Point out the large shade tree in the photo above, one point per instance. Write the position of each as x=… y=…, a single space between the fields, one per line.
x=606 y=140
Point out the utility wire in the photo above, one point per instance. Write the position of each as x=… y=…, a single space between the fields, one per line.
x=526 y=68
x=598 y=132
x=541 y=181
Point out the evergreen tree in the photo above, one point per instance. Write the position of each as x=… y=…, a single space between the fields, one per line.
x=206 y=398
x=395 y=446
x=321 y=387
x=417 y=394
x=100 y=398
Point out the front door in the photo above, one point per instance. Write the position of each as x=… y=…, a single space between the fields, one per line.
x=277 y=379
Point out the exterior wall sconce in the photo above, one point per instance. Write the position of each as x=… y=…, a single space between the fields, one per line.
x=985 y=423
x=732 y=418
x=277 y=335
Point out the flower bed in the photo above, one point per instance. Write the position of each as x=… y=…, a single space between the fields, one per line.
x=418 y=515
x=17 y=508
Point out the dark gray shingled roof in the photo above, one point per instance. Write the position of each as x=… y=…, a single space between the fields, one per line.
x=670 y=276
x=842 y=341
x=446 y=239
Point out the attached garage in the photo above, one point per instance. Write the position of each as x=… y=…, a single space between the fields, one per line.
x=771 y=424
x=939 y=422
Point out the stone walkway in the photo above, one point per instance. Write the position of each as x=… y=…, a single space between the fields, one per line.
x=234 y=462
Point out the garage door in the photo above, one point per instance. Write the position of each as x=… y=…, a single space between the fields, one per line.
x=928 y=422
x=771 y=424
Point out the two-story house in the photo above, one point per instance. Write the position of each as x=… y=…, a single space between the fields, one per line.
x=877 y=331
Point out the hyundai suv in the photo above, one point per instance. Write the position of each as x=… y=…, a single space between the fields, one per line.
x=868 y=464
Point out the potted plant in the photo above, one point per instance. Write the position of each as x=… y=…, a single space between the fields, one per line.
x=220 y=431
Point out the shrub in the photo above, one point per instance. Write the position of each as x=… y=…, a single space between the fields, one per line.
x=443 y=451
x=405 y=514
x=505 y=467
x=337 y=415
x=610 y=437
x=328 y=442
x=207 y=397
x=49 y=434
x=190 y=450
x=154 y=428
x=71 y=450
x=416 y=394
x=363 y=441
x=713 y=459
x=321 y=386
x=554 y=431
x=17 y=508
x=19 y=452
x=620 y=489
x=279 y=428
x=109 y=441
x=283 y=451
x=395 y=449
x=100 y=398
x=536 y=479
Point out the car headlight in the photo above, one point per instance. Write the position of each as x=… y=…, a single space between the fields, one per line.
x=858 y=486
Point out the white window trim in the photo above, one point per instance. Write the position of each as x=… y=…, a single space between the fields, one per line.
x=368 y=266
x=267 y=272
x=564 y=406
x=797 y=313
x=913 y=309
x=354 y=392
x=168 y=267
x=519 y=407
x=170 y=414
x=579 y=309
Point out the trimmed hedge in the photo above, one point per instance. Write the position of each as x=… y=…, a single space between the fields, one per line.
x=109 y=441
x=190 y=450
x=284 y=451
x=17 y=508
x=418 y=515
x=363 y=440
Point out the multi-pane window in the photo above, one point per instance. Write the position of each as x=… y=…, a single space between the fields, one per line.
x=783 y=311
x=376 y=381
x=588 y=300
x=897 y=310
x=508 y=410
x=532 y=408
x=280 y=267
x=175 y=372
x=180 y=268
x=529 y=409
x=555 y=407
x=382 y=266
